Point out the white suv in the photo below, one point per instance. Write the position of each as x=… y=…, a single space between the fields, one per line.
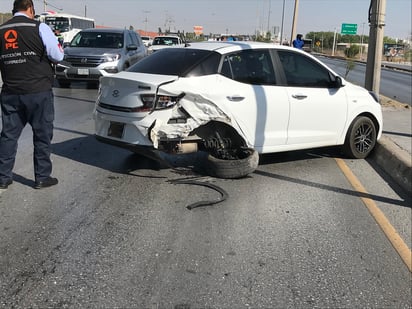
x=99 y=52
x=147 y=41
x=165 y=41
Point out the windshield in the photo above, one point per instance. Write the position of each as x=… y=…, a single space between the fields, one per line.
x=98 y=39
x=179 y=61
x=58 y=23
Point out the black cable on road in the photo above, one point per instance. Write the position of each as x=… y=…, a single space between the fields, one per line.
x=222 y=192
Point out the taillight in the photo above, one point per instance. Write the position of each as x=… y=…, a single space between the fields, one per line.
x=165 y=101
x=148 y=102
x=158 y=102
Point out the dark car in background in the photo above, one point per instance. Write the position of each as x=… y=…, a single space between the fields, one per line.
x=99 y=52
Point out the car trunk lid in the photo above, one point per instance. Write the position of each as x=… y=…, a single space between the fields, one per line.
x=127 y=90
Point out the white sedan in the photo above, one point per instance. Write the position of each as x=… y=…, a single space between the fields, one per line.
x=233 y=100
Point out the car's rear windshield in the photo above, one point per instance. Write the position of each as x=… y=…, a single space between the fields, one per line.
x=165 y=40
x=179 y=61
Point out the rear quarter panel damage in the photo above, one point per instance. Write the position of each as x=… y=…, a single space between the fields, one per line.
x=198 y=105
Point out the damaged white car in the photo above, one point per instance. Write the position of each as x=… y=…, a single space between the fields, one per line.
x=232 y=101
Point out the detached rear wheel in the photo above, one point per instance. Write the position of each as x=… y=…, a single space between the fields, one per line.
x=247 y=162
x=360 y=138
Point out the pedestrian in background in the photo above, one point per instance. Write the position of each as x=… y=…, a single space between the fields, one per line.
x=298 y=42
x=59 y=36
x=28 y=49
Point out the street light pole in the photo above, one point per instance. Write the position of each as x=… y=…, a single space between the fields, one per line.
x=295 y=18
x=281 y=27
x=361 y=46
x=145 y=22
x=268 y=27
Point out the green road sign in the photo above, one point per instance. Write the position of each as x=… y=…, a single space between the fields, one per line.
x=349 y=29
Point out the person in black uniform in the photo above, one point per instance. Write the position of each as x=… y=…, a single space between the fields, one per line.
x=27 y=50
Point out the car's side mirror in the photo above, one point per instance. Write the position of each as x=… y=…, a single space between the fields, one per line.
x=131 y=47
x=338 y=82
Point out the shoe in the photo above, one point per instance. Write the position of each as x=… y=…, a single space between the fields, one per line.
x=48 y=182
x=5 y=184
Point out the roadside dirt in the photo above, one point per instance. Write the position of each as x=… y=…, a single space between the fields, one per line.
x=388 y=103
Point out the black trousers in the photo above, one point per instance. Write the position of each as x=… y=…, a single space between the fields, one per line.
x=37 y=109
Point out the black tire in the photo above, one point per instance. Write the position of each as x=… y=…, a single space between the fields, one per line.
x=64 y=83
x=230 y=169
x=360 y=138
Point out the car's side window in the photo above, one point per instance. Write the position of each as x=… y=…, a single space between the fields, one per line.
x=302 y=71
x=139 y=40
x=135 y=39
x=129 y=39
x=249 y=66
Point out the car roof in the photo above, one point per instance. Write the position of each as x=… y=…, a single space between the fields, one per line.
x=109 y=30
x=224 y=47
x=167 y=36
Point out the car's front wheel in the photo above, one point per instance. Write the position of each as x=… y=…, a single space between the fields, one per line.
x=360 y=138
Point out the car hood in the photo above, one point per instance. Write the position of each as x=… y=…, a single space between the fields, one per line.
x=87 y=51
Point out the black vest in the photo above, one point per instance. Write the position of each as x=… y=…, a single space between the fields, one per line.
x=24 y=65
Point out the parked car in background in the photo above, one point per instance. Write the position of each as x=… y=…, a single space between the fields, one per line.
x=234 y=100
x=166 y=41
x=147 y=40
x=97 y=52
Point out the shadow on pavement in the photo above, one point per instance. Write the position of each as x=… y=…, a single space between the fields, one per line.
x=88 y=150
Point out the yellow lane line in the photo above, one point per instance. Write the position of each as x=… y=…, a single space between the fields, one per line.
x=390 y=232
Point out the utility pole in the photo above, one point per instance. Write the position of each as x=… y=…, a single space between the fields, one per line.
x=268 y=27
x=295 y=19
x=145 y=22
x=377 y=12
x=361 y=42
x=281 y=28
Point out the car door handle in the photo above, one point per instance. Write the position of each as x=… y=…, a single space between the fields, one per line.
x=299 y=96
x=235 y=98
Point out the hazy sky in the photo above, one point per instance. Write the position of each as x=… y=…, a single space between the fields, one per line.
x=233 y=16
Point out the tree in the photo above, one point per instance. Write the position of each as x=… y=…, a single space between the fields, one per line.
x=352 y=51
x=350 y=65
x=326 y=38
x=389 y=40
x=5 y=17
